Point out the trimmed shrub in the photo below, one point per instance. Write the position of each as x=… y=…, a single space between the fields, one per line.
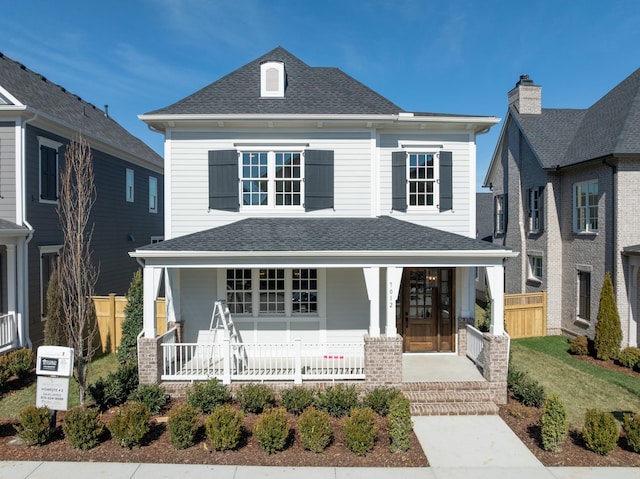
x=579 y=346
x=600 y=431
x=153 y=395
x=183 y=426
x=631 y=428
x=5 y=372
x=608 y=330
x=314 y=428
x=399 y=423
x=525 y=389
x=34 y=425
x=132 y=324
x=54 y=333
x=208 y=395
x=272 y=430
x=20 y=362
x=130 y=424
x=629 y=357
x=553 y=421
x=338 y=400
x=360 y=430
x=115 y=388
x=255 y=397
x=297 y=399
x=380 y=398
x=224 y=427
x=82 y=426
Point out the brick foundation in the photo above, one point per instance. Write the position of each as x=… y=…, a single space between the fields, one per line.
x=149 y=360
x=383 y=360
x=496 y=363
x=462 y=334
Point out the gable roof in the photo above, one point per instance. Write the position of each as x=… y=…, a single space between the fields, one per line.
x=307 y=235
x=610 y=127
x=308 y=90
x=39 y=94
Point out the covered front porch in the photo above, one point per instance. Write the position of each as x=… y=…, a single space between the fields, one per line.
x=313 y=314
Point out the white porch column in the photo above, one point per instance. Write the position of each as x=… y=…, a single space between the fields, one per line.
x=466 y=283
x=495 y=278
x=151 y=283
x=11 y=280
x=372 y=280
x=393 y=279
x=172 y=292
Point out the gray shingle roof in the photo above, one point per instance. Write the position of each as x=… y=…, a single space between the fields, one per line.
x=8 y=226
x=38 y=93
x=322 y=234
x=309 y=90
x=610 y=127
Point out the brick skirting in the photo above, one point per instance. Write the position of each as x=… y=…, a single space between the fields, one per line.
x=383 y=360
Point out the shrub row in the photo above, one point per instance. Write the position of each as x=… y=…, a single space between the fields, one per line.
x=18 y=362
x=524 y=388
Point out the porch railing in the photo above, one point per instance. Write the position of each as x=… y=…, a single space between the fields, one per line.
x=475 y=345
x=8 y=331
x=296 y=361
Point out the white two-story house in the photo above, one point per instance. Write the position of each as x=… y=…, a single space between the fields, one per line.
x=332 y=222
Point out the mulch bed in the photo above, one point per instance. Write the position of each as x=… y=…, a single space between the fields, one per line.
x=158 y=449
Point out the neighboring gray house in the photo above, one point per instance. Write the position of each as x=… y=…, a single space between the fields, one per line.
x=566 y=188
x=484 y=232
x=37 y=119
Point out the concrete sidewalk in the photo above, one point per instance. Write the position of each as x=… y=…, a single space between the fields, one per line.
x=458 y=447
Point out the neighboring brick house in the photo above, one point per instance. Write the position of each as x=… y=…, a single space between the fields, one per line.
x=38 y=118
x=566 y=187
x=318 y=210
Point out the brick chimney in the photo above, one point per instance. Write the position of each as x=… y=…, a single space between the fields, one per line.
x=526 y=97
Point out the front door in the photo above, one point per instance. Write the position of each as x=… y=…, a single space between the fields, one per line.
x=426 y=310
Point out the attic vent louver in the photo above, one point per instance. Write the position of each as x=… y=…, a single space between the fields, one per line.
x=272 y=79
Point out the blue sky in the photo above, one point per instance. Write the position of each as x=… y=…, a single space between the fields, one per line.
x=448 y=56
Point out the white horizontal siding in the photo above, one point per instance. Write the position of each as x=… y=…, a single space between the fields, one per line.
x=7 y=173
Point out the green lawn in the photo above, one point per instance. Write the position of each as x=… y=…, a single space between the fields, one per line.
x=580 y=385
x=11 y=402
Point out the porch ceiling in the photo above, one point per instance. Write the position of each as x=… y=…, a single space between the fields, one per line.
x=361 y=241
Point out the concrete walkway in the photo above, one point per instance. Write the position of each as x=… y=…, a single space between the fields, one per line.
x=458 y=447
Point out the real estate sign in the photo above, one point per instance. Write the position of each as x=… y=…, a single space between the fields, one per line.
x=52 y=392
x=54 y=366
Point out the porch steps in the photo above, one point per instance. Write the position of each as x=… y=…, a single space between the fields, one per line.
x=450 y=398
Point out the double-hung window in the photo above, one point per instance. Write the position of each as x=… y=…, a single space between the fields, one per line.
x=584 y=295
x=535 y=210
x=535 y=267
x=129 y=185
x=48 y=170
x=272 y=291
x=585 y=204
x=422 y=179
x=153 y=194
x=271 y=178
x=499 y=208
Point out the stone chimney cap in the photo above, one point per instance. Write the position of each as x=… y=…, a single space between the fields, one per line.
x=524 y=80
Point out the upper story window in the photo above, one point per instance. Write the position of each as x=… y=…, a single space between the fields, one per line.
x=535 y=267
x=272 y=178
x=48 y=170
x=153 y=194
x=129 y=185
x=272 y=79
x=499 y=212
x=262 y=178
x=534 y=198
x=422 y=179
x=585 y=206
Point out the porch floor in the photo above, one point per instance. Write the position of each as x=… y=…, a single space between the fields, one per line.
x=438 y=367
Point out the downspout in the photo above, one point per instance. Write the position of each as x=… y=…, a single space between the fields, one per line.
x=25 y=253
x=614 y=228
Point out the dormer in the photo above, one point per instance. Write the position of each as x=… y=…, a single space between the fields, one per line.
x=272 y=80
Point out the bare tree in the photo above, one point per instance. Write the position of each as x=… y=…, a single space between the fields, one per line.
x=77 y=273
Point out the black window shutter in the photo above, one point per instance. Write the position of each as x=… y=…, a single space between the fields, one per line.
x=318 y=179
x=399 y=180
x=541 y=208
x=495 y=216
x=529 y=209
x=223 y=180
x=48 y=173
x=446 y=180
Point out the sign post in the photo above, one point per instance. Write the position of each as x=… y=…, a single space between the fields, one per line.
x=54 y=367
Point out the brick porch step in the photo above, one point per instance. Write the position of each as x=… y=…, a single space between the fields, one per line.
x=450 y=398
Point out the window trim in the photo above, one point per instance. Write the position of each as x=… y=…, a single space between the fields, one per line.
x=587 y=230
x=130 y=185
x=45 y=250
x=271 y=179
x=153 y=206
x=265 y=69
x=435 y=180
x=54 y=145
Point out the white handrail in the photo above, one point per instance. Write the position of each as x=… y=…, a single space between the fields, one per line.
x=8 y=330
x=475 y=345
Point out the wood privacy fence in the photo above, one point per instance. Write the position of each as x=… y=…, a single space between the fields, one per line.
x=525 y=315
x=110 y=314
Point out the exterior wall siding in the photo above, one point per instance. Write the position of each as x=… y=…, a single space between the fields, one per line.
x=115 y=222
x=8 y=203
